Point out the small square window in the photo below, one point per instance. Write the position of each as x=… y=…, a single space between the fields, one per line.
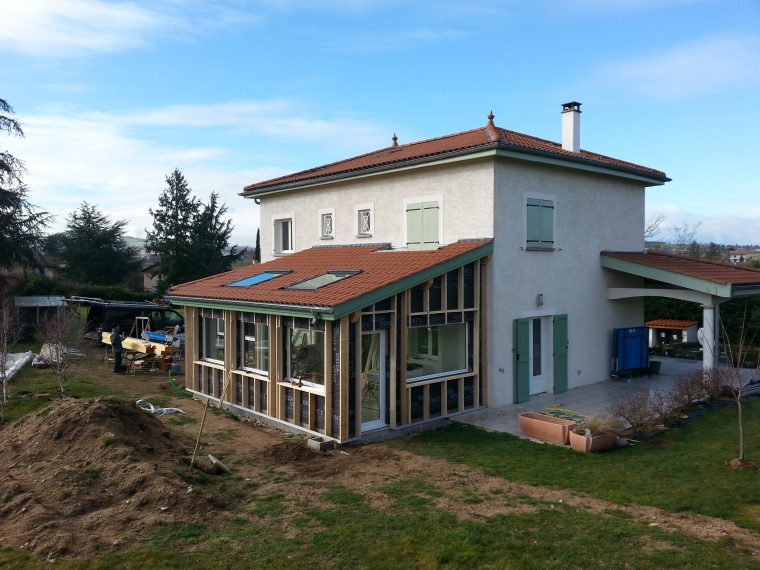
x=327 y=225
x=365 y=222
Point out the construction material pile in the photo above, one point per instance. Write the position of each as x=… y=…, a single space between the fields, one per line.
x=83 y=477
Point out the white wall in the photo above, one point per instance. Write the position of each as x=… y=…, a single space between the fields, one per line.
x=592 y=213
x=464 y=191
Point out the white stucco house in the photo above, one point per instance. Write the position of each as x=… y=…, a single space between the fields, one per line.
x=425 y=279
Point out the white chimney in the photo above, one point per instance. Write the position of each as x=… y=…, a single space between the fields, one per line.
x=571 y=126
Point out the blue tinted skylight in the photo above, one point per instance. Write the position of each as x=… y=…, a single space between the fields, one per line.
x=256 y=279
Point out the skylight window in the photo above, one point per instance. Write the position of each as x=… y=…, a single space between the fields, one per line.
x=256 y=279
x=321 y=280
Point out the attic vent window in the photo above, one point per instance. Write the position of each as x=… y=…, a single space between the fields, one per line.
x=321 y=280
x=256 y=279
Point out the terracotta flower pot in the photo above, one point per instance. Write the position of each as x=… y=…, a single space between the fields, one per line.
x=546 y=428
x=601 y=442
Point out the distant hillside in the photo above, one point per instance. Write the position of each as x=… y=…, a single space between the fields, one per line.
x=134 y=241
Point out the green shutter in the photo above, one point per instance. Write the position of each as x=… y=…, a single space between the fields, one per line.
x=430 y=224
x=540 y=223
x=521 y=356
x=413 y=225
x=560 y=353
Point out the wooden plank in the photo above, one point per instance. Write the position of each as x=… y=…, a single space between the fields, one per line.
x=476 y=337
x=191 y=325
x=343 y=378
x=460 y=400
x=140 y=345
x=393 y=360
x=483 y=314
x=274 y=349
x=404 y=310
x=328 y=378
x=426 y=402
x=357 y=376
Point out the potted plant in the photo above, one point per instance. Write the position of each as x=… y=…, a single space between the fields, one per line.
x=596 y=433
x=545 y=427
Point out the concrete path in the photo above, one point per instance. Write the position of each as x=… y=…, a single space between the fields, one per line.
x=586 y=400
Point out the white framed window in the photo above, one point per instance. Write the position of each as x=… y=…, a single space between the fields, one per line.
x=436 y=351
x=306 y=356
x=283 y=235
x=365 y=219
x=327 y=225
x=212 y=335
x=540 y=222
x=253 y=345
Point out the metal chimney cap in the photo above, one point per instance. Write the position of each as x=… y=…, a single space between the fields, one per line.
x=571 y=106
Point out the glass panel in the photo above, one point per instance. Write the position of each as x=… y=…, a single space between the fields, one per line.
x=285 y=229
x=254 y=346
x=306 y=356
x=417 y=295
x=213 y=338
x=436 y=350
x=322 y=280
x=468 y=274
x=370 y=377
x=536 y=347
x=434 y=293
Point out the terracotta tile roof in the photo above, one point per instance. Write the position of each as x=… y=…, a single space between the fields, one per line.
x=475 y=140
x=379 y=267
x=673 y=324
x=714 y=271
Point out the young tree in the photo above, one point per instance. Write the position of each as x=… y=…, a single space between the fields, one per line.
x=190 y=237
x=64 y=334
x=21 y=224
x=739 y=376
x=652 y=225
x=94 y=250
x=10 y=332
x=172 y=233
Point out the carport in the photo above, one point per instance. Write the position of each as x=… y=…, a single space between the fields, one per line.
x=708 y=283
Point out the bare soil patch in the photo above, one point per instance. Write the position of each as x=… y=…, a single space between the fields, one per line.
x=83 y=477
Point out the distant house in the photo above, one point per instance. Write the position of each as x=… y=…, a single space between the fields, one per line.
x=148 y=267
x=738 y=255
x=671 y=331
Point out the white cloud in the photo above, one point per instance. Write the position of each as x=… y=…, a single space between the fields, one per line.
x=719 y=228
x=105 y=160
x=689 y=70
x=73 y=26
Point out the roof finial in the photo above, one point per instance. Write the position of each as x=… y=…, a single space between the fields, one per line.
x=395 y=140
x=491 y=132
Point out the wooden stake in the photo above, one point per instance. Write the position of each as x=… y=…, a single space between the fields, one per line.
x=203 y=419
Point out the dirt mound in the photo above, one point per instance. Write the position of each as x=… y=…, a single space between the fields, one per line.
x=288 y=451
x=84 y=476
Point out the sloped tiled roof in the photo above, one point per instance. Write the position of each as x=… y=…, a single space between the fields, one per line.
x=378 y=266
x=714 y=271
x=484 y=138
x=673 y=324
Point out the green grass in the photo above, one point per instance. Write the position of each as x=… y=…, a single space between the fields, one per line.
x=683 y=469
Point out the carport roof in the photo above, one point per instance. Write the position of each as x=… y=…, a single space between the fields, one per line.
x=712 y=277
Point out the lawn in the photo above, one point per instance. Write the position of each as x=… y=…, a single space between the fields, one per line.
x=683 y=469
x=381 y=508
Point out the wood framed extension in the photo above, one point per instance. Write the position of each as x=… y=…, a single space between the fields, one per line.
x=414 y=356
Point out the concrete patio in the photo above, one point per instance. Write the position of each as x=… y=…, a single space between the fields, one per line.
x=586 y=400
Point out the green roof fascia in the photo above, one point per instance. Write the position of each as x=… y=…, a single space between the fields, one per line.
x=362 y=301
x=665 y=276
x=325 y=313
x=413 y=164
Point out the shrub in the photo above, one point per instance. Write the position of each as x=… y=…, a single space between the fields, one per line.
x=599 y=424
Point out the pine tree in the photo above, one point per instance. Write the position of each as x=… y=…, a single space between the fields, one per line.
x=21 y=224
x=94 y=250
x=191 y=238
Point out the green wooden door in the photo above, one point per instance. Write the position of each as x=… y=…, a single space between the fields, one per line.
x=521 y=357
x=560 y=353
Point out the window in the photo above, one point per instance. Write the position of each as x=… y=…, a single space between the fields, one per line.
x=256 y=279
x=212 y=335
x=422 y=225
x=365 y=222
x=327 y=226
x=253 y=345
x=321 y=280
x=436 y=351
x=540 y=224
x=283 y=235
x=306 y=356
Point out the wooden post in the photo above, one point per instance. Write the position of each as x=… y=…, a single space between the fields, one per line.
x=403 y=333
x=476 y=335
x=343 y=379
x=483 y=312
x=392 y=341
x=357 y=376
x=191 y=334
x=328 y=378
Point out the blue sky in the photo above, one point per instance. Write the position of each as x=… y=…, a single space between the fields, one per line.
x=114 y=95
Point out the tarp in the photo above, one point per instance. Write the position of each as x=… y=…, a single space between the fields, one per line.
x=17 y=361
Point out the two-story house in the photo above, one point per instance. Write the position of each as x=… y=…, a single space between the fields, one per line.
x=422 y=280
